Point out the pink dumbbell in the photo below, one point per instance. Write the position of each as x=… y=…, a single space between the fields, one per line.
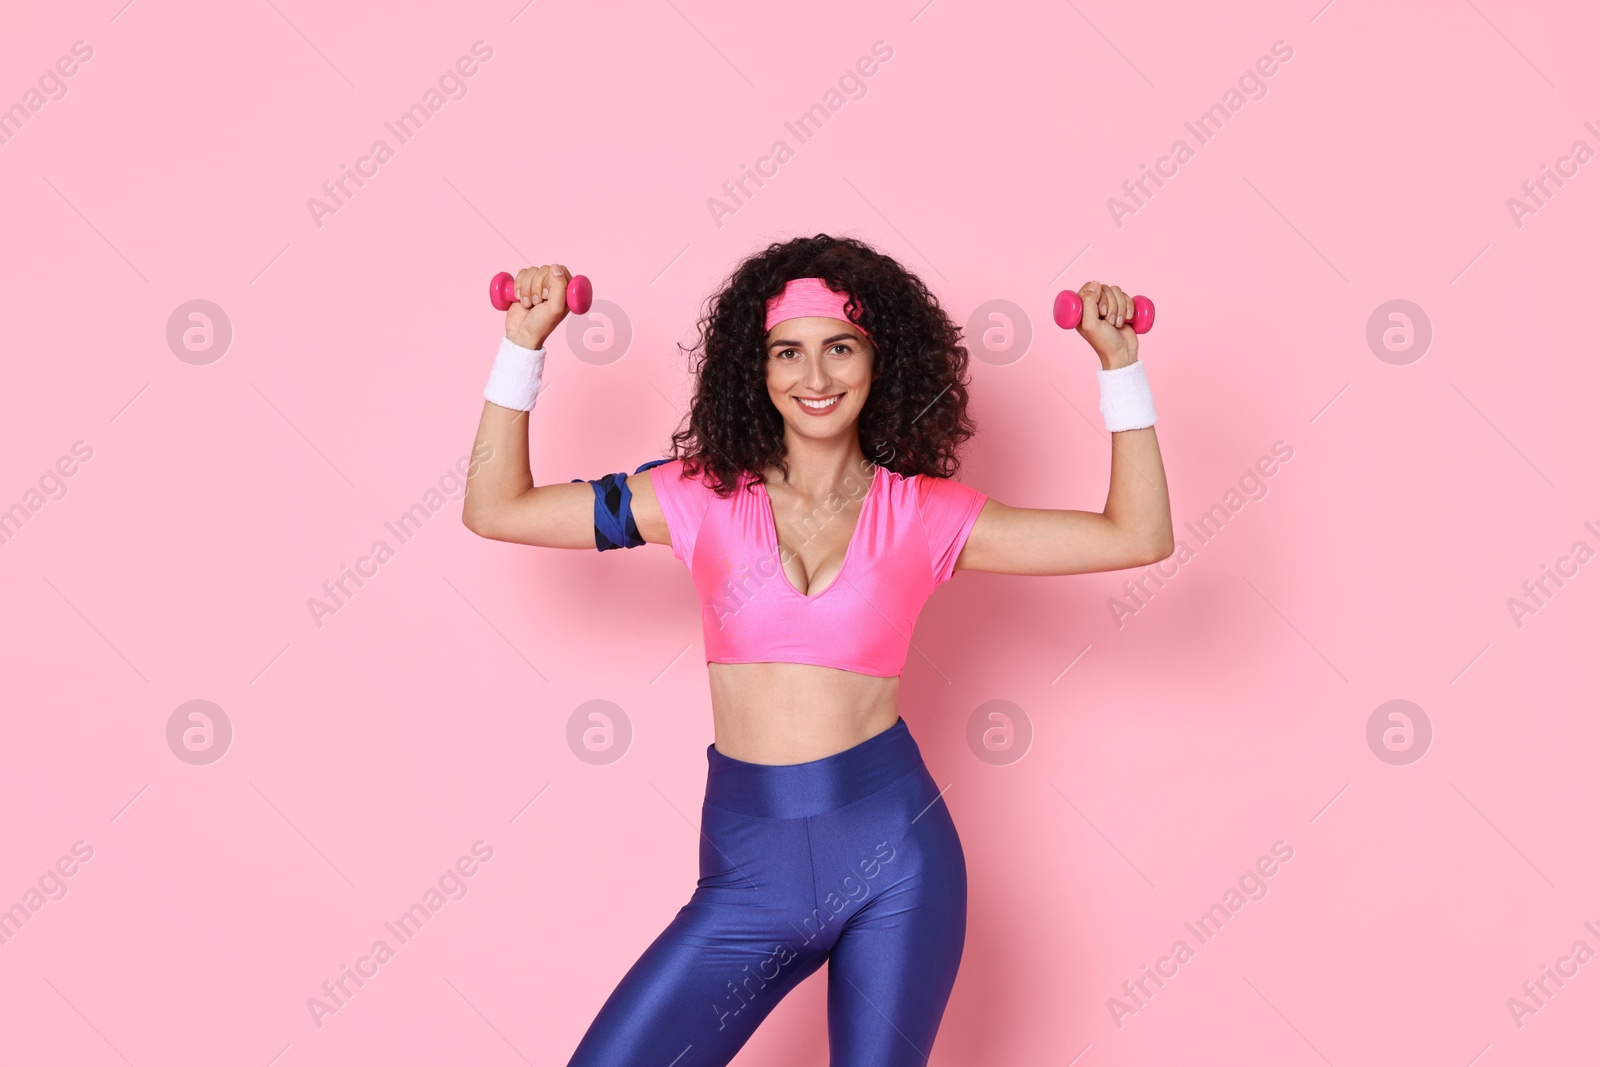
x=503 y=292
x=1069 y=312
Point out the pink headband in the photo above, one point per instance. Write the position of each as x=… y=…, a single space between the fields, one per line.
x=803 y=297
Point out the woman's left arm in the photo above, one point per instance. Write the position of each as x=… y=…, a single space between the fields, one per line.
x=1135 y=528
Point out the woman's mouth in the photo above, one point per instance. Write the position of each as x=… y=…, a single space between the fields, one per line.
x=819 y=407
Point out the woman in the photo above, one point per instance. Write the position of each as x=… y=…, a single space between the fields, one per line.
x=823 y=837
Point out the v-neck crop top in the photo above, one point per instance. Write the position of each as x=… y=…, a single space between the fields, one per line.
x=906 y=540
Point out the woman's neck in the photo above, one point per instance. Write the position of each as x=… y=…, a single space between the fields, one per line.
x=815 y=472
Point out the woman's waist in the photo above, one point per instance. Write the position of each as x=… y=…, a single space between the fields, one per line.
x=814 y=786
x=784 y=713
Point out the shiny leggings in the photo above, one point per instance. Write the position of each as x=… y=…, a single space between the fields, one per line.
x=851 y=860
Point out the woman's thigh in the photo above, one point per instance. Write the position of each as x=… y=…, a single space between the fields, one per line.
x=893 y=963
x=698 y=992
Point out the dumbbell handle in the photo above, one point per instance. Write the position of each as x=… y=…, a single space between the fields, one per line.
x=1069 y=311
x=503 y=292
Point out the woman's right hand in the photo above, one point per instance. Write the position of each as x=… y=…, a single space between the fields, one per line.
x=540 y=306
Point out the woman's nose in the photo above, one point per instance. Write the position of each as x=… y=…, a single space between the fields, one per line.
x=816 y=374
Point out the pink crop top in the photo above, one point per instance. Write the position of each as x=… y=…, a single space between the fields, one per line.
x=905 y=545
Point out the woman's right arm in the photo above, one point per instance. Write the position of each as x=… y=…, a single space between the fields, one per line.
x=502 y=503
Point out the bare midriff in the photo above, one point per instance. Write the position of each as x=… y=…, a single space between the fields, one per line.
x=780 y=713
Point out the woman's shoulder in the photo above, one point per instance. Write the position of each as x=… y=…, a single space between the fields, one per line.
x=934 y=487
x=693 y=490
x=676 y=469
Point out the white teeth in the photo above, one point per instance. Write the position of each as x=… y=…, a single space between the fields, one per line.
x=818 y=406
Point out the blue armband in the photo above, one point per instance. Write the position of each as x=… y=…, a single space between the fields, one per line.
x=613 y=509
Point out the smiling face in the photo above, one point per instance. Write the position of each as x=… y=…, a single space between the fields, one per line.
x=826 y=361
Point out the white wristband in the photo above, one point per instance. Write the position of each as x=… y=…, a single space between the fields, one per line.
x=1125 y=400
x=517 y=374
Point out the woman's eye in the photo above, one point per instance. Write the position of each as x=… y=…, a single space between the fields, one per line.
x=840 y=348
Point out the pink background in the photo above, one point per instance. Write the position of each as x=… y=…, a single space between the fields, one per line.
x=1228 y=714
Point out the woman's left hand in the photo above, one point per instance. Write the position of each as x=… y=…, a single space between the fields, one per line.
x=1107 y=324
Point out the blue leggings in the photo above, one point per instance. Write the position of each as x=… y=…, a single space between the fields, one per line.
x=851 y=859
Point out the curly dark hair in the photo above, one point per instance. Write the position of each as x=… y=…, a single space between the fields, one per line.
x=915 y=417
